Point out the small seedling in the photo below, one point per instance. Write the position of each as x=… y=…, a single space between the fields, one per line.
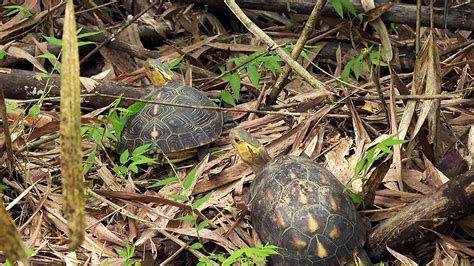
x=373 y=154
x=243 y=256
x=15 y=9
x=127 y=255
x=130 y=162
x=357 y=63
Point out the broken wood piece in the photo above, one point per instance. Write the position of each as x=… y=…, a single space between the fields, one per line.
x=416 y=223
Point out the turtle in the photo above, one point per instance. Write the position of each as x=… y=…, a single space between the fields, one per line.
x=177 y=132
x=299 y=206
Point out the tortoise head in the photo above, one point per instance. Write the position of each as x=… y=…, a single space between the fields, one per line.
x=250 y=150
x=158 y=73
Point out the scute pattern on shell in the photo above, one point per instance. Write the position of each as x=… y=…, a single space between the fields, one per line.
x=170 y=129
x=300 y=207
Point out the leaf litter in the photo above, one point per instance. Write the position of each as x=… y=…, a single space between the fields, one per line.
x=338 y=127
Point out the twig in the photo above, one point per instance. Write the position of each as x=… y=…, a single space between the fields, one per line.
x=295 y=53
x=113 y=35
x=375 y=76
x=6 y=132
x=198 y=106
x=252 y=27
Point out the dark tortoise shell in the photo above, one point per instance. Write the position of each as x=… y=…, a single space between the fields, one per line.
x=172 y=129
x=300 y=207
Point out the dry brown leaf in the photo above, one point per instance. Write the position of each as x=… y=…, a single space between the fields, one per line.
x=20 y=53
x=402 y=258
x=379 y=26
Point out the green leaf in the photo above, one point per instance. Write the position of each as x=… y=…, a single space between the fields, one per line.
x=384 y=148
x=135 y=108
x=173 y=64
x=11 y=105
x=186 y=218
x=254 y=75
x=234 y=81
x=164 y=182
x=53 y=40
x=356 y=198
x=34 y=110
x=203 y=224
x=48 y=56
x=196 y=245
x=3 y=186
x=338 y=7
x=188 y=180
x=89 y=162
x=88 y=34
x=347 y=71
x=141 y=149
x=124 y=157
x=179 y=197
x=121 y=253
x=348 y=5
x=393 y=142
x=41 y=76
x=356 y=67
x=227 y=97
x=83 y=43
x=140 y=159
x=133 y=167
x=2 y=54
x=201 y=201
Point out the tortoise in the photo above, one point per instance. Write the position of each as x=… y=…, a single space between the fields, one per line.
x=178 y=132
x=299 y=206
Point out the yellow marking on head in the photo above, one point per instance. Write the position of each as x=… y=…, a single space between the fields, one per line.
x=335 y=233
x=247 y=151
x=302 y=198
x=280 y=221
x=313 y=224
x=321 y=250
x=298 y=243
x=154 y=133
x=156 y=73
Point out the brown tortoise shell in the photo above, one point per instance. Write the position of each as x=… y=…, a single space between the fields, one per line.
x=300 y=207
x=171 y=129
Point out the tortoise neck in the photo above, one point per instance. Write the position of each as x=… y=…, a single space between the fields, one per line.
x=259 y=162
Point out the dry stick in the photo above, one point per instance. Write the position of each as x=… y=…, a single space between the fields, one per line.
x=375 y=76
x=418 y=26
x=113 y=35
x=6 y=132
x=252 y=27
x=295 y=53
x=199 y=106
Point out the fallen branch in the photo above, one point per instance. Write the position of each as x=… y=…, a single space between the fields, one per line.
x=252 y=27
x=295 y=53
x=416 y=223
x=461 y=17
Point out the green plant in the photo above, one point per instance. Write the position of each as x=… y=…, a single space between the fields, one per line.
x=357 y=63
x=130 y=162
x=175 y=63
x=190 y=201
x=372 y=155
x=127 y=255
x=243 y=256
x=15 y=9
x=252 y=66
x=2 y=54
